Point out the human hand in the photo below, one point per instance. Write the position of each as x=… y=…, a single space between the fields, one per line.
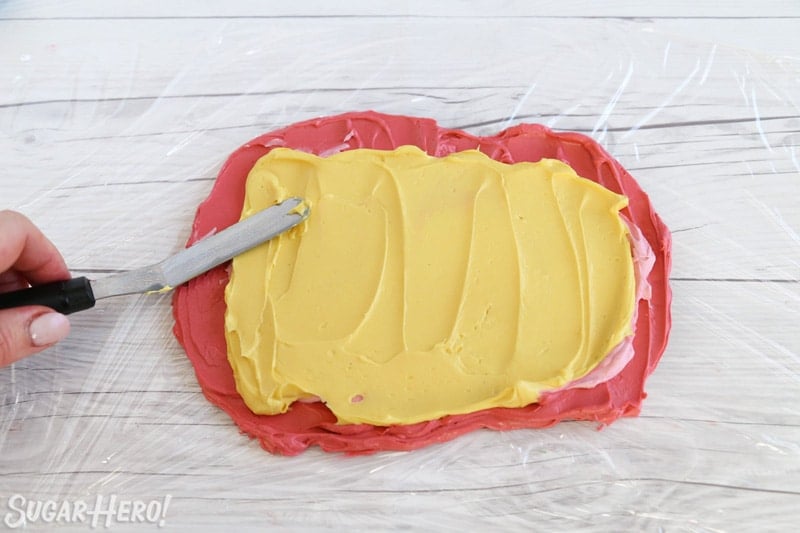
x=27 y=257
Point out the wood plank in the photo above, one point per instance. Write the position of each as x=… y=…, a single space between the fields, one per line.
x=364 y=8
x=637 y=475
x=168 y=58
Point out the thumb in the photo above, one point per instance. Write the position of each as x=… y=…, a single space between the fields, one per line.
x=28 y=330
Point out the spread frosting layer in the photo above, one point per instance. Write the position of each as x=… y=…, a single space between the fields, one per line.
x=422 y=287
x=606 y=394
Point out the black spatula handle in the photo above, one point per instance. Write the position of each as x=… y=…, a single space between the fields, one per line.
x=66 y=297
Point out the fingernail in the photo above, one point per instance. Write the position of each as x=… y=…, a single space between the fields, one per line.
x=48 y=328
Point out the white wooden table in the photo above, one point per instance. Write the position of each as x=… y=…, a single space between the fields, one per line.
x=114 y=120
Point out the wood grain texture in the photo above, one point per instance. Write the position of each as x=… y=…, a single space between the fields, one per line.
x=115 y=120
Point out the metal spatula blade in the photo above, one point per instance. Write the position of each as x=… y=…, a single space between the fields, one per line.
x=81 y=293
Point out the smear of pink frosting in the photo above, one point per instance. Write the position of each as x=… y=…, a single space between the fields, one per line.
x=619 y=356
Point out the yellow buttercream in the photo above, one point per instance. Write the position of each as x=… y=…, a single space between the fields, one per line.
x=422 y=286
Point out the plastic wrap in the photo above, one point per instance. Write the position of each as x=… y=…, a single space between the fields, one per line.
x=113 y=130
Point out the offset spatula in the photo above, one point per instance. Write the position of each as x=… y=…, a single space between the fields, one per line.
x=80 y=293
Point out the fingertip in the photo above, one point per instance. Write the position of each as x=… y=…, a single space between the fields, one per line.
x=27 y=330
x=48 y=329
